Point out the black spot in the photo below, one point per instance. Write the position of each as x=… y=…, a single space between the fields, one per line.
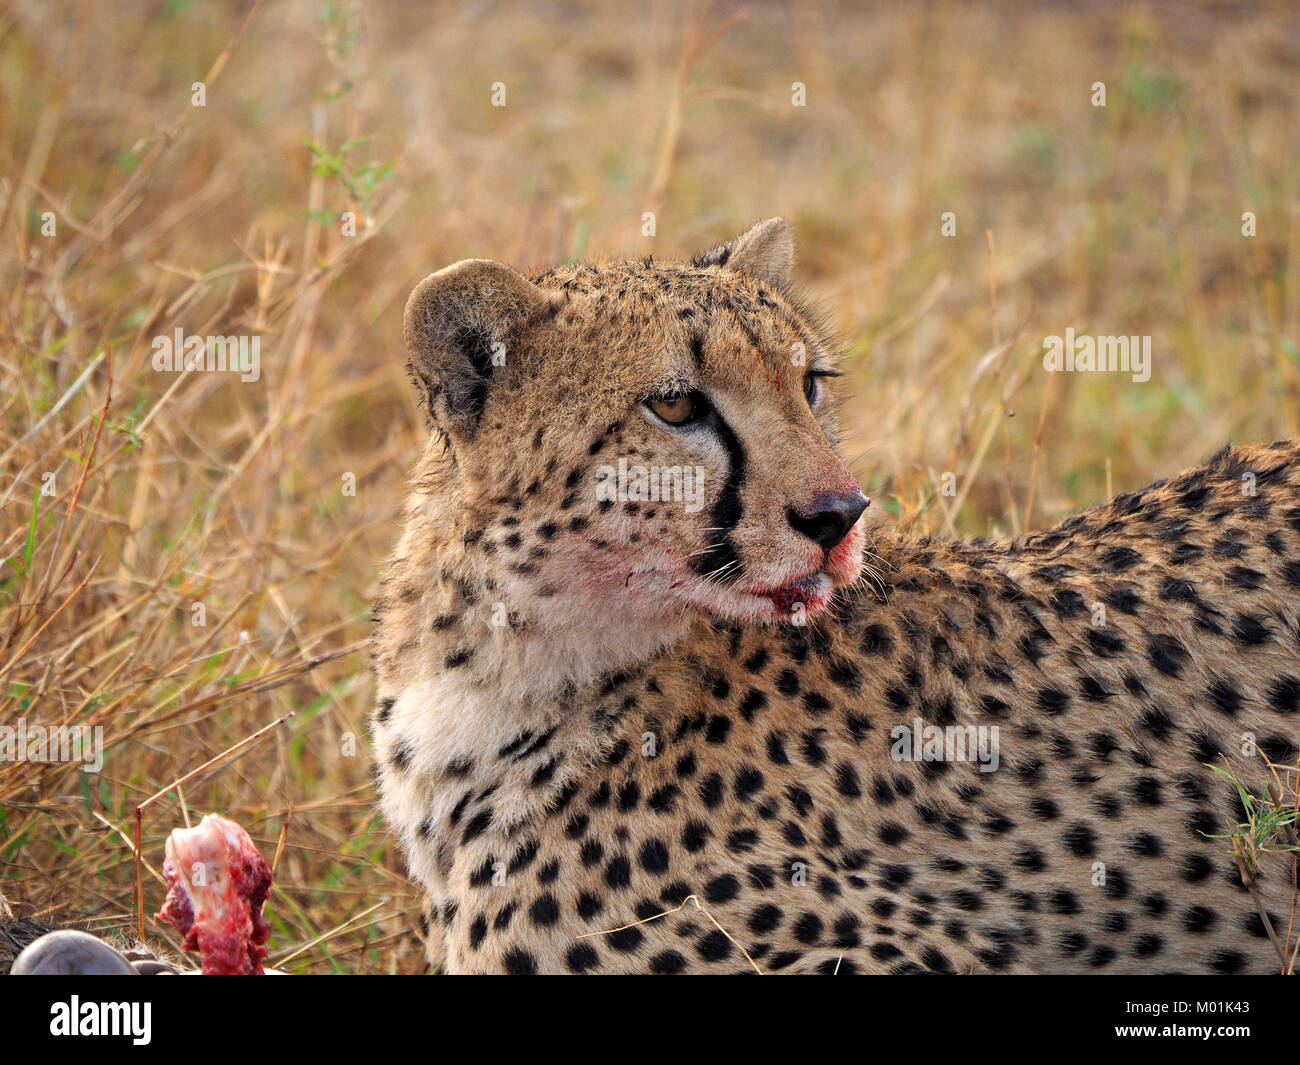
x=1044 y=809
x=1284 y=695
x=477 y=825
x=844 y=675
x=589 y=906
x=1072 y=943
x=1196 y=868
x=858 y=725
x=892 y=833
x=715 y=946
x=1158 y=722
x=544 y=912
x=669 y=963
x=1245 y=577
x=1279 y=749
x=1148 y=945
x=1068 y=603
x=1064 y=901
x=1250 y=631
x=1203 y=823
x=618 y=873
x=1080 y=840
x=694 y=836
x=1155 y=905
x=1119 y=559
x=1104 y=644
x=816 y=703
x=753 y=702
x=808 y=928
x=581 y=958
x=477 y=932
x=846 y=781
x=877 y=639
x=625 y=940
x=1146 y=790
x=1125 y=599
x=1145 y=845
x=1175 y=589
x=722 y=889
x=519 y=962
x=813 y=751
x=1228 y=961
x=748 y=781
x=1053 y=700
x=1167 y=654
x=742 y=840
x=654 y=857
x=1030 y=859
x=799 y=799
x=719 y=728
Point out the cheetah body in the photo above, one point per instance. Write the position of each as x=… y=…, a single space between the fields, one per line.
x=601 y=754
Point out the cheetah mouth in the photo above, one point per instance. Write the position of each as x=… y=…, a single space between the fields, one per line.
x=797 y=598
x=809 y=593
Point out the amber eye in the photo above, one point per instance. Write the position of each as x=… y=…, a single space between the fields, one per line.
x=675 y=410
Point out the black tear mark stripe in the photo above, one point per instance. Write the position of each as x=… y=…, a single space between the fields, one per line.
x=727 y=509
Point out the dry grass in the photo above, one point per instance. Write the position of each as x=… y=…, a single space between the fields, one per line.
x=171 y=491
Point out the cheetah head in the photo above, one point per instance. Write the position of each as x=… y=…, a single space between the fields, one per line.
x=638 y=439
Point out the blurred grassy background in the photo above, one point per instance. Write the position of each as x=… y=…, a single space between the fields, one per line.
x=225 y=219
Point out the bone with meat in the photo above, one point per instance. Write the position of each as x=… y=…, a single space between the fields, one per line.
x=217 y=882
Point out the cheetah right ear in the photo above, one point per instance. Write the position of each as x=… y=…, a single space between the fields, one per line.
x=764 y=251
x=459 y=325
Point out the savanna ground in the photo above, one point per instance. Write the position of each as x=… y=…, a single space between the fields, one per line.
x=166 y=491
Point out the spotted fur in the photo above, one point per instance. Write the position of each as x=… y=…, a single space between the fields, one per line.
x=581 y=725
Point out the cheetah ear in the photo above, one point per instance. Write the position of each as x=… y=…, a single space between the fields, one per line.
x=765 y=251
x=459 y=326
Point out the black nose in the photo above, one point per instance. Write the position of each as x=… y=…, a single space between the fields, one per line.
x=830 y=518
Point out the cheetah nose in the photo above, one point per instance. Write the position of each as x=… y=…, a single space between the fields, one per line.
x=830 y=518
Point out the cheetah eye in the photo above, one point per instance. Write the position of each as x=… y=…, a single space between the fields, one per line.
x=812 y=384
x=676 y=410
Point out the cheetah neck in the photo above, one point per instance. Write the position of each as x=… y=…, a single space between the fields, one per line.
x=496 y=705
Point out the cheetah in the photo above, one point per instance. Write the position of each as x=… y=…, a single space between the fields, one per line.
x=692 y=724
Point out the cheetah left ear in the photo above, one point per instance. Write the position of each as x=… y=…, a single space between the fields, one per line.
x=765 y=251
x=458 y=324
